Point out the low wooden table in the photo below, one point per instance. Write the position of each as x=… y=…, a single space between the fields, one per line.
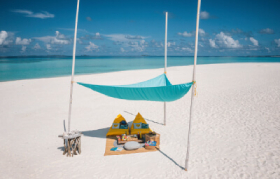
x=129 y=139
x=72 y=143
x=153 y=137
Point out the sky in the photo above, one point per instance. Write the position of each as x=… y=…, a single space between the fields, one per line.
x=137 y=27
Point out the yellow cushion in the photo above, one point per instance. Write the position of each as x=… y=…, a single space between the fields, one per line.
x=111 y=131
x=138 y=119
x=117 y=131
x=119 y=118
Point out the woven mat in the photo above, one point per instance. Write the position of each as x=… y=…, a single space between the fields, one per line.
x=110 y=143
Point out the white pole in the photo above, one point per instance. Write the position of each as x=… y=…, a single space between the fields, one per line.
x=73 y=66
x=193 y=88
x=165 y=60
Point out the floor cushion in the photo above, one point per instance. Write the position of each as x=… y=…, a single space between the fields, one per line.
x=132 y=145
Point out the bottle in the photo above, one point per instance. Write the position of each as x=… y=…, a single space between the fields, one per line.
x=138 y=135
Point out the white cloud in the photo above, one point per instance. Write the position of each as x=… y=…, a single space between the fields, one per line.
x=277 y=41
x=225 y=41
x=201 y=32
x=204 y=15
x=187 y=49
x=135 y=42
x=23 y=41
x=138 y=46
x=212 y=43
x=6 y=38
x=170 y=43
x=254 y=41
x=124 y=38
x=3 y=37
x=36 y=46
x=143 y=42
x=267 y=31
x=91 y=36
x=154 y=43
x=23 y=11
x=23 y=49
x=41 y=15
x=58 y=39
x=59 y=35
x=268 y=50
x=91 y=47
x=185 y=34
x=122 y=50
x=48 y=46
x=138 y=37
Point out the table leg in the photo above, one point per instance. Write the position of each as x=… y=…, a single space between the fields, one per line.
x=65 y=149
x=76 y=140
x=69 y=150
x=79 y=145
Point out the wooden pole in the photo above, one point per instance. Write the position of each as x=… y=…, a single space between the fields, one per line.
x=193 y=88
x=73 y=66
x=165 y=60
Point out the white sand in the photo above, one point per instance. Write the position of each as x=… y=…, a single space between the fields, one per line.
x=235 y=129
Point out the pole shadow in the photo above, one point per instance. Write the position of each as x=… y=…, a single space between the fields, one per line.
x=145 y=118
x=170 y=158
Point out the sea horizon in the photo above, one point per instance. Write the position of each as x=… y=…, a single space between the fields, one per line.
x=77 y=56
x=21 y=68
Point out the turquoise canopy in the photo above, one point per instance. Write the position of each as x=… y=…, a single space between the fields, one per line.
x=156 y=89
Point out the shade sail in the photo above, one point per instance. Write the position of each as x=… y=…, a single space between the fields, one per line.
x=156 y=89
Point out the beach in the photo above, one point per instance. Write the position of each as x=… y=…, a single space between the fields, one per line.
x=235 y=128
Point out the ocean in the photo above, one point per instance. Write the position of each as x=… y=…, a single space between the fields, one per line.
x=45 y=67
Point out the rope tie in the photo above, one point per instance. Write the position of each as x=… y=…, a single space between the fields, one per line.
x=195 y=86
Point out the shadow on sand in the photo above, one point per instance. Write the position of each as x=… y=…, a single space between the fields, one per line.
x=145 y=118
x=171 y=159
x=61 y=148
x=98 y=133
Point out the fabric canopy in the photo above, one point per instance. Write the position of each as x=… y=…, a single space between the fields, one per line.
x=156 y=89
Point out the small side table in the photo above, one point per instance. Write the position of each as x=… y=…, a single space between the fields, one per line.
x=72 y=143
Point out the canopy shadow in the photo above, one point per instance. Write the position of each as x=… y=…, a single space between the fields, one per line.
x=98 y=133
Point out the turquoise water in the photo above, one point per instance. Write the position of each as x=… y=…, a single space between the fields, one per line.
x=43 y=67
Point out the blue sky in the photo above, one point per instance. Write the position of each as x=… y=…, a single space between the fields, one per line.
x=125 y=28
